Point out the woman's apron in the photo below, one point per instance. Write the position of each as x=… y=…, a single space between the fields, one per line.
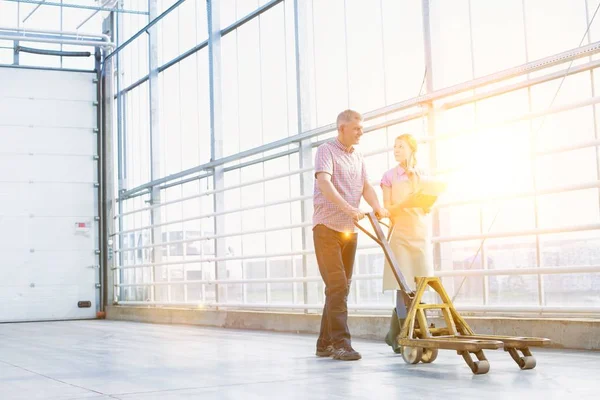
x=409 y=242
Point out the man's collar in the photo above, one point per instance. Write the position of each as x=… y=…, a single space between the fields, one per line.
x=342 y=147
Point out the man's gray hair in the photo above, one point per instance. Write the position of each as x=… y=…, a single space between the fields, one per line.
x=348 y=116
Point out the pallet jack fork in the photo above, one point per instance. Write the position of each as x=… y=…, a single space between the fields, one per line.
x=420 y=341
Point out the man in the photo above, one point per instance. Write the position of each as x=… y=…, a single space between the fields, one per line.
x=341 y=181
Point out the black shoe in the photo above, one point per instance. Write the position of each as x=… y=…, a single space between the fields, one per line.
x=325 y=352
x=395 y=327
x=346 y=353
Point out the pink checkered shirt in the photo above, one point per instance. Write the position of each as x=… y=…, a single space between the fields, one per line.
x=348 y=175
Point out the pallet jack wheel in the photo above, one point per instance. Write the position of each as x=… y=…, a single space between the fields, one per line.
x=411 y=355
x=481 y=367
x=528 y=362
x=429 y=355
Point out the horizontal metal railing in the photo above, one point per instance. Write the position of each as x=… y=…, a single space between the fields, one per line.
x=431 y=99
x=575 y=269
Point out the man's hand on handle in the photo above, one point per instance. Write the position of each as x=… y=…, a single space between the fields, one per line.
x=382 y=212
x=356 y=214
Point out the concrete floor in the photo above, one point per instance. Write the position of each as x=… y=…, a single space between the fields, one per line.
x=126 y=360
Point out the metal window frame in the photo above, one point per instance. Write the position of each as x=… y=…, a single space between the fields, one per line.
x=419 y=101
x=305 y=137
x=77 y=6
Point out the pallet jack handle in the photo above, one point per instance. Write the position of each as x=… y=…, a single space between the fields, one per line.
x=405 y=295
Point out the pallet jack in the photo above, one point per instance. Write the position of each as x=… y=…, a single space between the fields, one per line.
x=419 y=341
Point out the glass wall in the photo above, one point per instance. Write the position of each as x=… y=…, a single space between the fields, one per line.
x=507 y=158
x=519 y=152
x=513 y=145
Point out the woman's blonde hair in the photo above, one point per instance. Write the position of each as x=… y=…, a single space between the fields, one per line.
x=410 y=164
x=412 y=143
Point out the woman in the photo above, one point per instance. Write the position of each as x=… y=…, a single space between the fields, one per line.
x=409 y=242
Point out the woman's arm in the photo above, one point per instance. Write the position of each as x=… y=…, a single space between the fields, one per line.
x=417 y=200
x=387 y=201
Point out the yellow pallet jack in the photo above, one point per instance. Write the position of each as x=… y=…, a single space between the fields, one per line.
x=419 y=341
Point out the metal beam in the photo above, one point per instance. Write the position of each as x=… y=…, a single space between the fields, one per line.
x=523 y=117
x=224 y=189
x=209 y=166
x=533 y=66
x=91 y=71
x=528 y=232
x=183 y=56
x=376 y=307
x=155 y=150
x=15 y=53
x=406 y=118
x=576 y=269
x=32 y=11
x=517 y=195
x=204 y=44
x=212 y=237
x=215 y=214
x=216 y=136
x=301 y=34
x=105 y=4
x=250 y=17
x=121 y=148
x=430 y=119
x=166 y=65
x=108 y=166
x=522 y=85
x=78 y=6
x=151 y=23
x=539 y=192
x=52 y=39
x=57 y=33
x=99 y=129
x=429 y=97
x=132 y=86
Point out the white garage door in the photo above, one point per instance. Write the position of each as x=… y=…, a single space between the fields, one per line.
x=48 y=234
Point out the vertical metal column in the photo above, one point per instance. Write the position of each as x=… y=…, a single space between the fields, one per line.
x=99 y=156
x=15 y=52
x=594 y=111
x=305 y=150
x=155 y=172
x=533 y=156
x=108 y=185
x=61 y=28
x=16 y=42
x=425 y=6
x=216 y=137
x=117 y=37
x=482 y=225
